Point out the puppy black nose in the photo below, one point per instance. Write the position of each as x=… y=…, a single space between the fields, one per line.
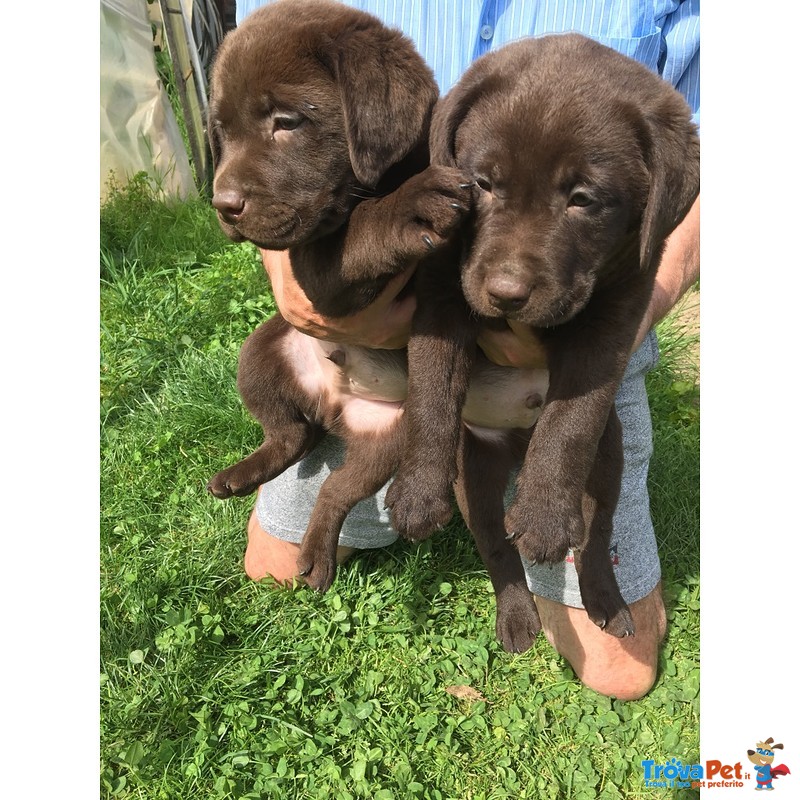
x=229 y=203
x=507 y=293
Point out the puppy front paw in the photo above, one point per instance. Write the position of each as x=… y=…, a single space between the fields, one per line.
x=610 y=613
x=601 y=596
x=430 y=207
x=544 y=525
x=418 y=507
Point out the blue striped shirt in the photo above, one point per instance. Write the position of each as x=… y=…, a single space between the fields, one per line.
x=664 y=35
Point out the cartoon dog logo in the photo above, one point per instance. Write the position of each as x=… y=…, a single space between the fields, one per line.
x=762 y=757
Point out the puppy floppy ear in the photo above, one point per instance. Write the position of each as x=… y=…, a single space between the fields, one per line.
x=672 y=157
x=448 y=114
x=452 y=110
x=388 y=93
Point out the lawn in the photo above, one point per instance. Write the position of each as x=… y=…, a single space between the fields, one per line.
x=215 y=687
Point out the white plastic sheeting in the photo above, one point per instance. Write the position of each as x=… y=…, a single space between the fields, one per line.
x=138 y=129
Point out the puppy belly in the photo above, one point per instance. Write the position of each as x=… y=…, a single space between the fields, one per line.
x=365 y=389
x=503 y=397
x=370 y=416
x=308 y=361
x=372 y=374
x=361 y=390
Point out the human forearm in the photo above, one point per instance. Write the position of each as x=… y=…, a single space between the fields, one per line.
x=385 y=239
x=386 y=323
x=678 y=270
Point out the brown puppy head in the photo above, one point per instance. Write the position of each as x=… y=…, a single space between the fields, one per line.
x=311 y=102
x=584 y=161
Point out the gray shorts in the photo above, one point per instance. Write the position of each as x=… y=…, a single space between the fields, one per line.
x=284 y=505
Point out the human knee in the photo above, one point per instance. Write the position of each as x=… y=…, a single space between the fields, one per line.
x=625 y=669
x=631 y=682
x=267 y=556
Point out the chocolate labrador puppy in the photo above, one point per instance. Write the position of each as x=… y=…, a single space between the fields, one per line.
x=584 y=162
x=319 y=119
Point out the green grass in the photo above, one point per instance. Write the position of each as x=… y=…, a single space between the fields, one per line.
x=214 y=687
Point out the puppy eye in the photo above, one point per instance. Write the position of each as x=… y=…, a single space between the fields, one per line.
x=580 y=199
x=483 y=183
x=287 y=122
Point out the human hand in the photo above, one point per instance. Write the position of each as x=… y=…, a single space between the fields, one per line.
x=384 y=324
x=511 y=344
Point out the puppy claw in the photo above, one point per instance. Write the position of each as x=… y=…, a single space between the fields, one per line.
x=318 y=573
x=617 y=623
x=222 y=490
x=432 y=203
x=216 y=491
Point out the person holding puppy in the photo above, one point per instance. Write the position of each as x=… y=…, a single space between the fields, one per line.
x=450 y=36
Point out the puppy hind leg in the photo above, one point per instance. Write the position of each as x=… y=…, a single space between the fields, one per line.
x=599 y=589
x=285 y=443
x=369 y=462
x=483 y=475
x=270 y=392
